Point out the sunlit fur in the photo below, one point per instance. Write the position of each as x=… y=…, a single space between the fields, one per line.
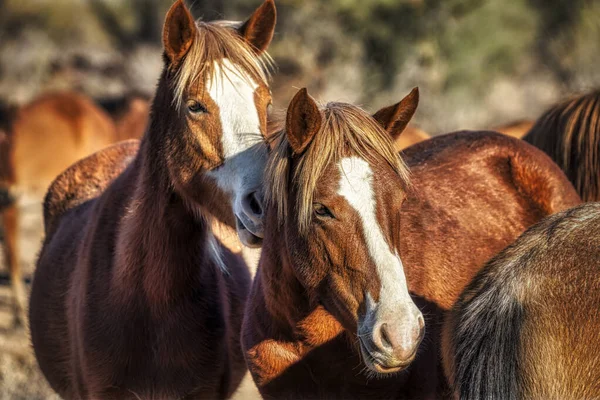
x=345 y=127
x=569 y=133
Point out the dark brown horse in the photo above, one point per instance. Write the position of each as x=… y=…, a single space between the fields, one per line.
x=527 y=326
x=133 y=297
x=569 y=133
x=318 y=322
x=37 y=142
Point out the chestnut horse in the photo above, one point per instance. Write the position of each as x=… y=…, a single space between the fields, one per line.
x=517 y=129
x=527 y=326
x=130 y=113
x=569 y=133
x=133 y=297
x=37 y=142
x=411 y=135
x=324 y=287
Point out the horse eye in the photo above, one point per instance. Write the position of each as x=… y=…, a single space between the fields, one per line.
x=196 y=107
x=322 y=211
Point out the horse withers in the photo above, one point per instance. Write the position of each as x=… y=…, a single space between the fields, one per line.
x=527 y=325
x=133 y=297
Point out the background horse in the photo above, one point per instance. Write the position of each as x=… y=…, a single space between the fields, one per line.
x=527 y=325
x=410 y=136
x=569 y=133
x=130 y=113
x=37 y=142
x=468 y=190
x=517 y=129
x=133 y=297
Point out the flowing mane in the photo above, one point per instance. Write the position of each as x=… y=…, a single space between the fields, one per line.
x=214 y=42
x=347 y=130
x=569 y=133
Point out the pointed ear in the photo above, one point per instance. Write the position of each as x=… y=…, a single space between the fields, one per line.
x=303 y=120
x=259 y=28
x=395 y=118
x=179 y=32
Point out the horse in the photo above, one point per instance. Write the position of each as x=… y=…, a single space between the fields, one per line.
x=569 y=133
x=37 y=142
x=410 y=136
x=527 y=325
x=342 y=244
x=517 y=129
x=130 y=114
x=133 y=297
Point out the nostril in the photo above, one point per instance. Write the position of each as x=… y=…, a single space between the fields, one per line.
x=254 y=204
x=385 y=337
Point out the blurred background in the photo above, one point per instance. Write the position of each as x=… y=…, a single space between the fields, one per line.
x=478 y=63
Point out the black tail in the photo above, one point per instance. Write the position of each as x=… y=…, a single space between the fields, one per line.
x=486 y=338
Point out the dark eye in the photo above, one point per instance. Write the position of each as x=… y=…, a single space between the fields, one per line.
x=322 y=211
x=196 y=107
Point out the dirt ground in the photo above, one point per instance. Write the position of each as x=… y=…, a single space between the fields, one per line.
x=20 y=377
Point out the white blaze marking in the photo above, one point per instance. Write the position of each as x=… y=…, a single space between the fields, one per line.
x=356 y=186
x=233 y=92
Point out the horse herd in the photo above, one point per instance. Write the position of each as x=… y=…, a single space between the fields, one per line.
x=464 y=266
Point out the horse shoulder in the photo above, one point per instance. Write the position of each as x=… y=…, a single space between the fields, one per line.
x=85 y=180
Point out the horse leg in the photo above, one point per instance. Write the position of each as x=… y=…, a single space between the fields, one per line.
x=10 y=219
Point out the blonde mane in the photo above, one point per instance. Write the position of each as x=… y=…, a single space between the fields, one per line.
x=346 y=130
x=216 y=41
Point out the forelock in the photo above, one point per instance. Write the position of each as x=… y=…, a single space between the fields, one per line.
x=346 y=131
x=214 y=42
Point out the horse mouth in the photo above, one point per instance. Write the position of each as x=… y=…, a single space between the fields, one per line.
x=248 y=238
x=380 y=365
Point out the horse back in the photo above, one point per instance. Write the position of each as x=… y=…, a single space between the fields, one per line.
x=85 y=180
x=51 y=133
x=473 y=194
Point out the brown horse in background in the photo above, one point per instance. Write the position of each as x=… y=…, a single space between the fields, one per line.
x=37 y=142
x=411 y=135
x=517 y=129
x=527 y=326
x=130 y=114
x=569 y=133
x=133 y=297
x=470 y=194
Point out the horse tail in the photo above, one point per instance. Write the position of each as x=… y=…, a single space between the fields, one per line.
x=484 y=330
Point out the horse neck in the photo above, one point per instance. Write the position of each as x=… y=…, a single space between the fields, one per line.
x=290 y=311
x=163 y=244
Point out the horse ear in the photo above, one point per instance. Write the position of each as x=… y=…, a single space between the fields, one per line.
x=259 y=28
x=303 y=120
x=395 y=118
x=178 y=32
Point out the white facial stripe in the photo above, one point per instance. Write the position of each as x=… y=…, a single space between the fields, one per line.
x=356 y=186
x=233 y=92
